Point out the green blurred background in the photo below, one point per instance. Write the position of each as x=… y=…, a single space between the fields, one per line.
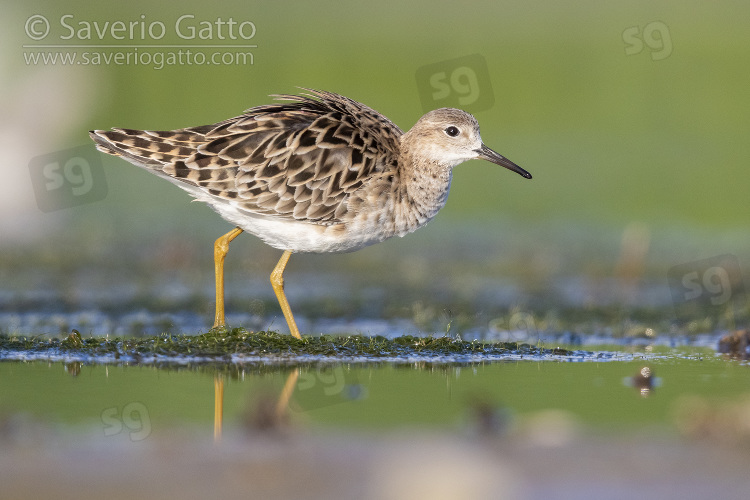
x=632 y=117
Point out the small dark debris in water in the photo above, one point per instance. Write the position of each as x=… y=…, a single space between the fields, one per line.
x=644 y=381
x=73 y=340
x=735 y=344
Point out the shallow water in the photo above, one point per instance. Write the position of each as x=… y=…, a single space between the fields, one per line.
x=560 y=424
x=512 y=429
x=372 y=395
x=484 y=281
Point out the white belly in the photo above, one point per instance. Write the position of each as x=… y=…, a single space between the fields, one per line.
x=288 y=234
x=304 y=237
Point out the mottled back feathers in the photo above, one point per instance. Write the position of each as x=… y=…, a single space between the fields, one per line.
x=301 y=159
x=314 y=173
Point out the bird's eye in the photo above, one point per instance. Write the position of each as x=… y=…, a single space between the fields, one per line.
x=452 y=131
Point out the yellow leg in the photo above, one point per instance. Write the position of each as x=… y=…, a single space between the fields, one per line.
x=218 y=406
x=277 y=282
x=220 y=251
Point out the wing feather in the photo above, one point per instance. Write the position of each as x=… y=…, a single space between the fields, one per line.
x=300 y=159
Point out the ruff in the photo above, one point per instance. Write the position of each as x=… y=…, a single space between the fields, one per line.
x=317 y=173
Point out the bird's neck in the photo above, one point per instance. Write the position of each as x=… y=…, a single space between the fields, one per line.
x=425 y=190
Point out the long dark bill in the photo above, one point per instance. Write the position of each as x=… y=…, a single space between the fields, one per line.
x=486 y=153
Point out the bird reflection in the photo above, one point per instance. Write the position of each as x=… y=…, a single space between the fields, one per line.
x=73 y=368
x=269 y=414
x=218 y=406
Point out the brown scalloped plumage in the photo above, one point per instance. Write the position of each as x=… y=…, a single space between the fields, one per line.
x=318 y=159
x=318 y=173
